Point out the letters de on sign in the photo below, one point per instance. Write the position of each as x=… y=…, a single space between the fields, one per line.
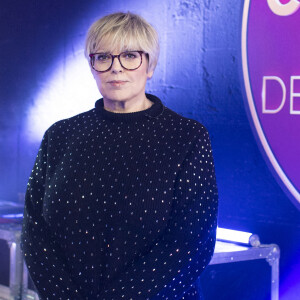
x=271 y=71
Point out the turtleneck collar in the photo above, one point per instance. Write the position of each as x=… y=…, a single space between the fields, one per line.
x=153 y=112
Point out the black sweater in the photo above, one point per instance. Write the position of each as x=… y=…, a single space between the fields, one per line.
x=121 y=206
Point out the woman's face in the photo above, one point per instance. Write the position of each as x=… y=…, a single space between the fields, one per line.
x=119 y=84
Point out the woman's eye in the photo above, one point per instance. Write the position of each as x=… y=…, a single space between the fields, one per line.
x=129 y=55
x=102 y=57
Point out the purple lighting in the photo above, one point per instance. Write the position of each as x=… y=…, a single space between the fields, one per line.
x=291 y=285
x=272 y=81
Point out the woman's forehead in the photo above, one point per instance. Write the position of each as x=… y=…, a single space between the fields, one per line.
x=116 y=47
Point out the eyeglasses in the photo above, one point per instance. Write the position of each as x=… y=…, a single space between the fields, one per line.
x=129 y=60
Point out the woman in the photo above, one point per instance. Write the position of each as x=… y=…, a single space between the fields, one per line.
x=122 y=200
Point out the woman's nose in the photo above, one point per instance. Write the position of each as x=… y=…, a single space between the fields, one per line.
x=116 y=66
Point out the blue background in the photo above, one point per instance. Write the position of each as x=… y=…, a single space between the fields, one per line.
x=198 y=76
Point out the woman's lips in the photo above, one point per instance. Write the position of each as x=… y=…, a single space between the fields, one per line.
x=117 y=82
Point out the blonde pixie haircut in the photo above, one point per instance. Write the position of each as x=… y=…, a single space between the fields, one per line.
x=123 y=31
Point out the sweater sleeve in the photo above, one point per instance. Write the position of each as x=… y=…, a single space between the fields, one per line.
x=44 y=258
x=175 y=261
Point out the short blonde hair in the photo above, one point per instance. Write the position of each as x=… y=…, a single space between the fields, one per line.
x=124 y=31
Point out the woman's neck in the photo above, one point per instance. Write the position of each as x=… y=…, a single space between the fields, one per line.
x=117 y=106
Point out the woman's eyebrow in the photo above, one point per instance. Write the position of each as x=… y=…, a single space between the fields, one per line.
x=103 y=52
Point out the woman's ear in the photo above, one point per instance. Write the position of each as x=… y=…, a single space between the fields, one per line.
x=150 y=74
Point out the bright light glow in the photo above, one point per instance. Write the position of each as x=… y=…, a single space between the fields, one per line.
x=69 y=90
x=237 y=236
x=12 y=216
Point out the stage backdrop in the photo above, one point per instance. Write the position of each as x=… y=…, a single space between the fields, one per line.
x=45 y=77
x=271 y=70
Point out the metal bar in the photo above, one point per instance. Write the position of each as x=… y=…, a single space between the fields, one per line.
x=273 y=260
x=15 y=270
x=275 y=280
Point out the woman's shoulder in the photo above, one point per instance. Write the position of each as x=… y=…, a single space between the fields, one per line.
x=174 y=119
x=182 y=123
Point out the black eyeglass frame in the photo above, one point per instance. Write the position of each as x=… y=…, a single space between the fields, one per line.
x=92 y=60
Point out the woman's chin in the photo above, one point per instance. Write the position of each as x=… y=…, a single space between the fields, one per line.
x=118 y=94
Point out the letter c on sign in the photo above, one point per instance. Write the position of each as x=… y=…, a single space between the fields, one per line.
x=283 y=9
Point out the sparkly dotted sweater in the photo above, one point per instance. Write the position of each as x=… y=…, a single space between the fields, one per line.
x=121 y=206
